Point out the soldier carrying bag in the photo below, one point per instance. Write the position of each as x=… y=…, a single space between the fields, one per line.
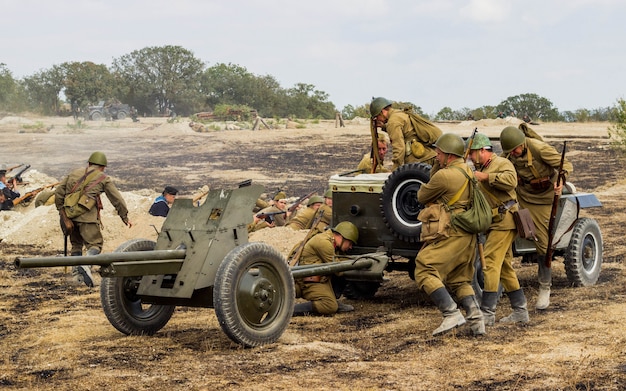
x=77 y=202
x=477 y=218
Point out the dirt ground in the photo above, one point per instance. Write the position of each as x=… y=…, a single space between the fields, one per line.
x=54 y=333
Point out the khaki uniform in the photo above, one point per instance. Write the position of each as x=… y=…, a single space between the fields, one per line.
x=318 y=289
x=302 y=219
x=545 y=160
x=500 y=190
x=279 y=219
x=402 y=134
x=448 y=261
x=86 y=230
x=366 y=165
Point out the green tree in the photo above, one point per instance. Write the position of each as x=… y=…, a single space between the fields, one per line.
x=160 y=78
x=87 y=83
x=43 y=88
x=445 y=114
x=7 y=86
x=617 y=130
x=532 y=104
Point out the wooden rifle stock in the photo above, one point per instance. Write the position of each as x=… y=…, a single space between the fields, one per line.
x=555 y=206
x=31 y=194
x=480 y=238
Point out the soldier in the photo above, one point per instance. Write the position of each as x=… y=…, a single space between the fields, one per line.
x=409 y=144
x=365 y=165
x=277 y=220
x=537 y=164
x=161 y=205
x=86 y=227
x=449 y=261
x=498 y=180
x=304 y=217
x=9 y=189
x=318 y=290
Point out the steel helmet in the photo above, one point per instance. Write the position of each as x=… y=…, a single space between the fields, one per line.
x=377 y=105
x=315 y=200
x=328 y=194
x=511 y=138
x=98 y=158
x=451 y=143
x=480 y=141
x=348 y=230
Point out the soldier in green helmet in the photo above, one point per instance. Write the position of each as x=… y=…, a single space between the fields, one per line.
x=449 y=261
x=84 y=229
x=537 y=164
x=497 y=178
x=411 y=135
x=304 y=217
x=318 y=290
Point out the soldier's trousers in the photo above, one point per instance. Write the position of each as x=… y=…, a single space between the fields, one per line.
x=321 y=294
x=499 y=261
x=450 y=262
x=86 y=234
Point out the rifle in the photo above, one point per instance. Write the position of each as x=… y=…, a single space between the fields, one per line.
x=269 y=216
x=555 y=205
x=481 y=236
x=295 y=256
x=18 y=176
x=374 y=144
x=14 y=167
x=29 y=195
x=295 y=205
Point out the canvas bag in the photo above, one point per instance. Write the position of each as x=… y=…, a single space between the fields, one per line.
x=525 y=225
x=435 y=220
x=77 y=202
x=477 y=218
x=427 y=133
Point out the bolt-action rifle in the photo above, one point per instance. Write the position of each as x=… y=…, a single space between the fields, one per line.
x=375 y=156
x=29 y=195
x=18 y=176
x=269 y=216
x=555 y=204
x=295 y=255
x=295 y=205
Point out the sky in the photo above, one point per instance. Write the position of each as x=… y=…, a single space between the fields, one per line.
x=433 y=53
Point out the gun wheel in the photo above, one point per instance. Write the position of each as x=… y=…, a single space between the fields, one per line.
x=398 y=201
x=123 y=308
x=583 y=258
x=254 y=294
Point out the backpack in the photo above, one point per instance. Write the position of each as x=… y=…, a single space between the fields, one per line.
x=477 y=218
x=427 y=132
x=77 y=202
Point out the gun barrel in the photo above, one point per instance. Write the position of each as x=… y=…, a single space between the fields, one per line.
x=329 y=268
x=100 y=259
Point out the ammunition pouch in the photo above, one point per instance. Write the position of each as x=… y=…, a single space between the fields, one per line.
x=525 y=225
x=542 y=184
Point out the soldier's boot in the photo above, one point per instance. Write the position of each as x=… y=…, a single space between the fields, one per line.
x=545 y=279
x=84 y=271
x=474 y=316
x=80 y=274
x=452 y=317
x=301 y=309
x=518 y=304
x=344 y=307
x=488 y=307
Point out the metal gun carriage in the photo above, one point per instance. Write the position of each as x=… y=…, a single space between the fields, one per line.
x=202 y=258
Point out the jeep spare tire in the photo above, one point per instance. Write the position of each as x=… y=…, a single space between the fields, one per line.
x=398 y=200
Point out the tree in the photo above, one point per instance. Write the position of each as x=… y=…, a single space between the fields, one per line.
x=86 y=82
x=160 y=78
x=43 y=88
x=531 y=104
x=617 y=131
x=7 y=86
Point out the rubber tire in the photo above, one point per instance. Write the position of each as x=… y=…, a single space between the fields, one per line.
x=121 y=115
x=123 y=309
x=583 y=257
x=398 y=201
x=361 y=290
x=254 y=294
x=96 y=116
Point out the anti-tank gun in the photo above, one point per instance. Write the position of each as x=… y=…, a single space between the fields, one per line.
x=202 y=258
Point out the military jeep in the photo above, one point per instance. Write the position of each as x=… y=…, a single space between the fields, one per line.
x=384 y=208
x=110 y=111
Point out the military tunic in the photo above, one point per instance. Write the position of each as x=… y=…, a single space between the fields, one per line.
x=302 y=219
x=448 y=261
x=499 y=190
x=87 y=226
x=319 y=249
x=366 y=165
x=401 y=132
